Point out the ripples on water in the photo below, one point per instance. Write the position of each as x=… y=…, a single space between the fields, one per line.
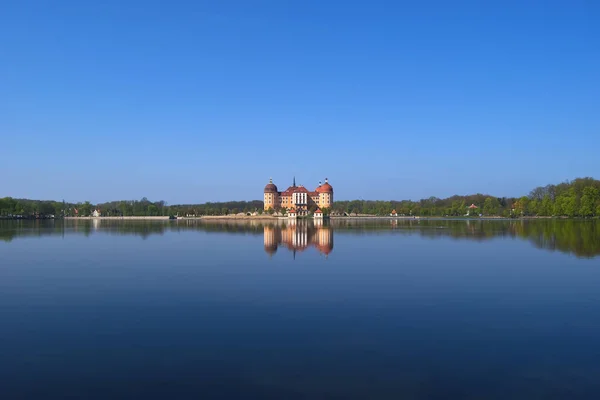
x=386 y=309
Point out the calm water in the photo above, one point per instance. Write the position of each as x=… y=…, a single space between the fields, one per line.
x=346 y=310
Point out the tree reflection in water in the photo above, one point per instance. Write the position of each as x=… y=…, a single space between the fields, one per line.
x=578 y=237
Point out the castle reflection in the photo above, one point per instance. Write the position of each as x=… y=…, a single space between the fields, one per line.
x=578 y=237
x=299 y=235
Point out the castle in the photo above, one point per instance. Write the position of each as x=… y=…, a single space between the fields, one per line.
x=298 y=199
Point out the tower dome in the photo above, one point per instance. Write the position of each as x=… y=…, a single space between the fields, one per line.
x=271 y=249
x=325 y=188
x=270 y=188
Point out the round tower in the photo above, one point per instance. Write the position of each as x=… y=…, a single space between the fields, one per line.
x=325 y=194
x=271 y=196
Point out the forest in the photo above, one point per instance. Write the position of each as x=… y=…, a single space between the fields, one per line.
x=577 y=198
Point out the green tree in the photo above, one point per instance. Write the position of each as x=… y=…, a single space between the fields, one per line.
x=46 y=208
x=124 y=208
x=58 y=208
x=566 y=203
x=545 y=207
x=590 y=198
x=533 y=207
x=85 y=209
x=456 y=208
x=6 y=207
x=522 y=206
x=490 y=206
x=557 y=208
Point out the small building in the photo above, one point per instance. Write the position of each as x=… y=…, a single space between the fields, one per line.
x=96 y=213
x=292 y=213
x=472 y=207
x=318 y=214
x=393 y=213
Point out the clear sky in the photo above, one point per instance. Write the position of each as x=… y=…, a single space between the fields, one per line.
x=193 y=101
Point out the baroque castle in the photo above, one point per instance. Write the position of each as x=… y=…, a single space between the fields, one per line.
x=298 y=199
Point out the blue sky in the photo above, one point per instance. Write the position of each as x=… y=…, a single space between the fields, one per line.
x=193 y=101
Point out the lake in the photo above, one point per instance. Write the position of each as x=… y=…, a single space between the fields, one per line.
x=346 y=309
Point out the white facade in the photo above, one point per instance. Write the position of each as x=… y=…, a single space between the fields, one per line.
x=300 y=201
x=300 y=198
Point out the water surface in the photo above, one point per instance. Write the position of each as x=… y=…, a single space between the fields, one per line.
x=343 y=310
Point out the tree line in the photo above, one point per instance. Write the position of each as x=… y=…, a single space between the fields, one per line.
x=577 y=198
x=25 y=208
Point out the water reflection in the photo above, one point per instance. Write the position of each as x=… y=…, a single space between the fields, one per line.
x=298 y=236
x=578 y=237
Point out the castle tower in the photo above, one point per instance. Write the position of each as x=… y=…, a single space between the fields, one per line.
x=325 y=195
x=271 y=196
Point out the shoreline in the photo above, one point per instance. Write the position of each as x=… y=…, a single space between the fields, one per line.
x=166 y=218
x=278 y=218
x=159 y=218
x=244 y=217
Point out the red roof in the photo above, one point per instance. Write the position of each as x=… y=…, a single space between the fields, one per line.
x=298 y=189
x=287 y=192
x=318 y=211
x=325 y=188
x=293 y=210
x=270 y=188
x=473 y=206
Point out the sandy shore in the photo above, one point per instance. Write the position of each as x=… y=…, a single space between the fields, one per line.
x=122 y=218
x=166 y=218
x=274 y=218
x=228 y=217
